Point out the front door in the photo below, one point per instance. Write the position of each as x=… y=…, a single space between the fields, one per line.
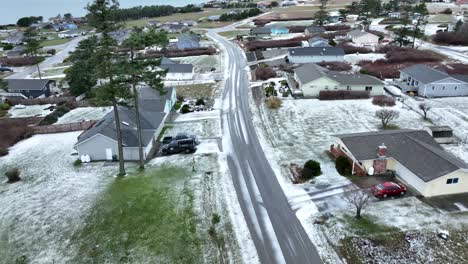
x=108 y=154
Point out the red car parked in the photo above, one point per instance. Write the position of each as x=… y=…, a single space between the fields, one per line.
x=387 y=189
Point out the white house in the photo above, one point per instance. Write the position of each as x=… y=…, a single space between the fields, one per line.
x=100 y=141
x=364 y=38
x=312 y=79
x=413 y=155
x=315 y=54
x=429 y=82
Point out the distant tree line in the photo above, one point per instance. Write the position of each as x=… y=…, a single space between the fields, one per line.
x=227 y=5
x=239 y=16
x=28 y=21
x=139 y=12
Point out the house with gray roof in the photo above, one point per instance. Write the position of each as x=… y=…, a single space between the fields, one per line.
x=31 y=88
x=17 y=51
x=100 y=141
x=318 y=42
x=188 y=41
x=362 y=37
x=314 y=30
x=176 y=71
x=414 y=155
x=429 y=82
x=313 y=78
x=260 y=31
x=315 y=54
x=15 y=38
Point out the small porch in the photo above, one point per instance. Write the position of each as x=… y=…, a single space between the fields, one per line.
x=357 y=169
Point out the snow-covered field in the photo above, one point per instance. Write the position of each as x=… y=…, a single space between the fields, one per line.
x=30 y=111
x=204 y=62
x=40 y=213
x=84 y=113
x=356 y=58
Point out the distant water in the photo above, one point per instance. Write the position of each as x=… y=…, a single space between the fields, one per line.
x=11 y=10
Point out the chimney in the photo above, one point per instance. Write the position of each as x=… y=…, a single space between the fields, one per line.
x=382 y=151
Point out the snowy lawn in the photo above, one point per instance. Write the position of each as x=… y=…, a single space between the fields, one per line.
x=203 y=62
x=40 y=213
x=30 y=111
x=84 y=113
x=356 y=58
x=204 y=128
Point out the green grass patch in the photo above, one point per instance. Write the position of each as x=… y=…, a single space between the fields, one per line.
x=54 y=42
x=205 y=90
x=233 y=33
x=367 y=226
x=147 y=217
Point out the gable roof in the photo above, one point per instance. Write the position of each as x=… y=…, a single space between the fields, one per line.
x=166 y=60
x=318 y=42
x=316 y=51
x=315 y=29
x=27 y=84
x=310 y=72
x=424 y=73
x=359 y=33
x=261 y=30
x=414 y=149
x=460 y=77
x=177 y=68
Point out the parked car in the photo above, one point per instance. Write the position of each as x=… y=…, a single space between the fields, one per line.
x=179 y=146
x=167 y=140
x=387 y=189
x=4 y=69
x=181 y=136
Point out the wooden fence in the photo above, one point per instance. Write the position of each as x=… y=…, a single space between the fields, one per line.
x=27 y=120
x=83 y=125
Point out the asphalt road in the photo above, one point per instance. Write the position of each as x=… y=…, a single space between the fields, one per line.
x=65 y=49
x=276 y=232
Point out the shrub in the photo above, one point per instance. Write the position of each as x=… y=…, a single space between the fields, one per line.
x=451 y=38
x=337 y=27
x=5 y=106
x=13 y=175
x=61 y=110
x=21 y=61
x=264 y=73
x=273 y=102
x=311 y=169
x=177 y=105
x=200 y=102
x=77 y=163
x=343 y=166
x=185 y=109
x=3 y=152
x=261 y=44
x=343 y=95
x=49 y=120
x=447 y=11
x=52 y=51
x=383 y=100
x=285 y=94
x=350 y=49
x=180 y=98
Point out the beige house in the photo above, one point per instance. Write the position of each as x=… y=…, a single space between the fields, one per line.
x=415 y=157
x=312 y=79
x=363 y=38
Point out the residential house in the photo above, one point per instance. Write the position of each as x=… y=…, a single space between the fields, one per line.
x=279 y=30
x=154 y=23
x=174 y=28
x=15 y=38
x=312 y=79
x=72 y=33
x=31 y=88
x=318 y=42
x=188 y=42
x=396 y=15
x=260 y=31
x=413 y=155
x=100 y=141
x=177 y=71
x=17 y=51
x=314 y=30
x=429 y=82
x=214 y=18
x=364 y=38
x=120 y=35
x=315 y=54
x=188 y=23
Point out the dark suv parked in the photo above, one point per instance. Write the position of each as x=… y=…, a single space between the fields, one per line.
x=179 y=146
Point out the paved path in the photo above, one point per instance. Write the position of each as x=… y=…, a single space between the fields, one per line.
x=276 y=232
x=51 y=61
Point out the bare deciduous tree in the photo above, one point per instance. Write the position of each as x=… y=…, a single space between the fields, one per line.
x=386 y=115
x=358 y=199
x=425 y=108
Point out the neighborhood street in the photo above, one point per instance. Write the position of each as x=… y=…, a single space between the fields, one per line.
x=65 y=49
x=278 y=235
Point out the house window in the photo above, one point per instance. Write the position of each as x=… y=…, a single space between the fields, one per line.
x=336 y=87
x=326 y=87
x=368 y=88
x=433 y=87
x=452 y=181
x=348 y=87
x=455 y=88
x=443 y=87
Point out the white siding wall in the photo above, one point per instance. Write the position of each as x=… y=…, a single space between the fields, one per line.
x=314 y=59
x=439 y=186
x=96 y=147
x=179 y=76
x=367 y=39
x=410 y=178
x=445 y=89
